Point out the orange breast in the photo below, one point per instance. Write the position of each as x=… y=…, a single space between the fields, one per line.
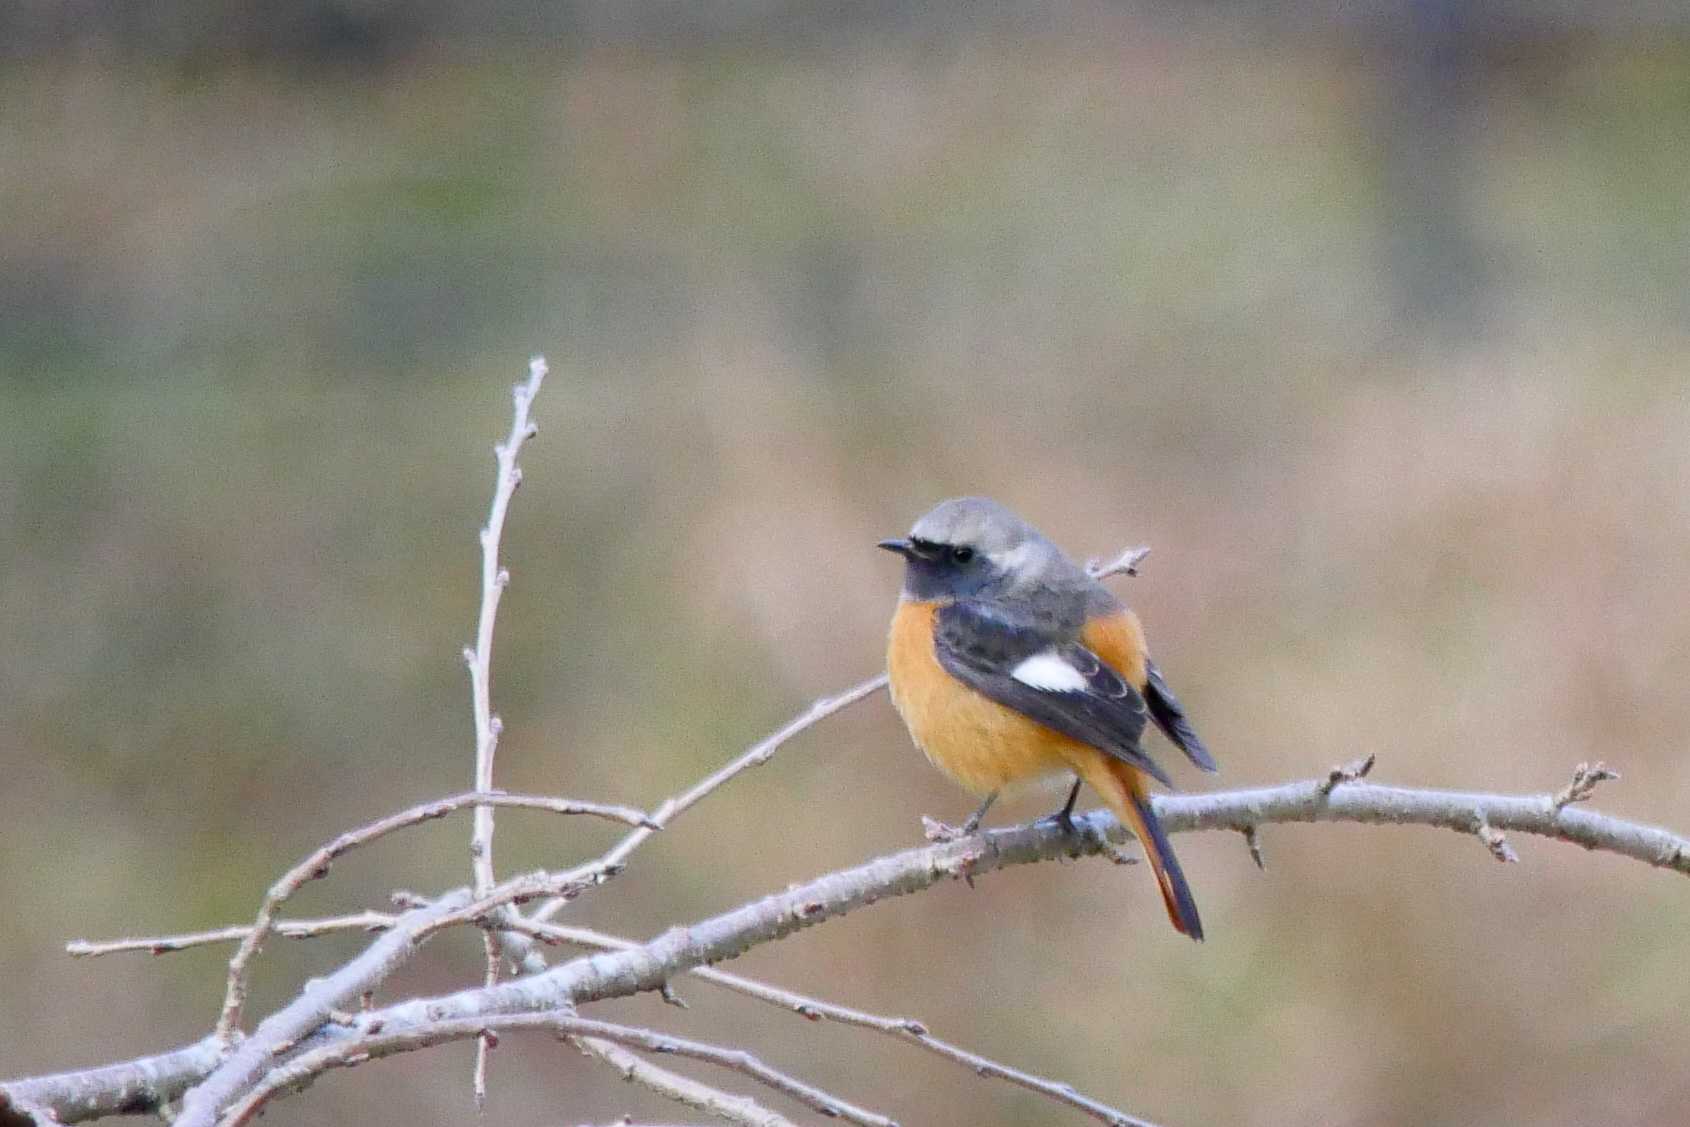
x=976 y=741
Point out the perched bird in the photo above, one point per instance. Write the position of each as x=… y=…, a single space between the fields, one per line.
x=1008 y=662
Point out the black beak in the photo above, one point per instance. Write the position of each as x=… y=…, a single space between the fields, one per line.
x=903 y=547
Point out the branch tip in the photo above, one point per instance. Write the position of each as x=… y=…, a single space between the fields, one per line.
x=1586 y=778
x=1118 y=855
x=1253 y=842
x=1352 y=772
x=1496 y=842
x=1124 y=564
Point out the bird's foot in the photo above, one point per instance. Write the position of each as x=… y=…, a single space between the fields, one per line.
x=1062 y=820
x=935 y=830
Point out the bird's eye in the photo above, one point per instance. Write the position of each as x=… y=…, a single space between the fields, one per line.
x=962 y=553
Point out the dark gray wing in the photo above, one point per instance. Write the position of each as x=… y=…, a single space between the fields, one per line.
x=982 y=647
x=1170 y=716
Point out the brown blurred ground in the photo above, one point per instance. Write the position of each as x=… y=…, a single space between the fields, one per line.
x=1383 y=349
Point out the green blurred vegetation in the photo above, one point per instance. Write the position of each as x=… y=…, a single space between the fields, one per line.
x=1150 y=283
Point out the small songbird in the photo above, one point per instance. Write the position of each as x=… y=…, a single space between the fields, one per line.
x=1008 y=661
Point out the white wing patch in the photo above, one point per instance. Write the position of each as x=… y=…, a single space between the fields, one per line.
x=1047 y=672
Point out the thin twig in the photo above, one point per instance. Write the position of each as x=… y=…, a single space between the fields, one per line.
x=903 y=1028
x=518 y=890
x=805 y=905
x=1253 y=842
x=682 y=1089
x=369 y=1045
x=479 y=659
x=1495 y=841
x=287 y=929
x=1124 y=564
x=484 y=1044
x=317 y=864
x=366 y=921
x=754 y=756
x=1586 y=777
x=1352 y=772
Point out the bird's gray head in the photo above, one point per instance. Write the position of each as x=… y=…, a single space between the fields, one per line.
x=973 y=545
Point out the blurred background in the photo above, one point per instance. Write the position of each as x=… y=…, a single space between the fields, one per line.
x=1372 y=319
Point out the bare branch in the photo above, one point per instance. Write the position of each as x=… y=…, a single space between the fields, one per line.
x=494 y=580
x=317 y=864
x=803 y=1005
x=903 y=1028
x=773 y=917
x=683 y=1089
x=371 y=1041
x=145 y=1083
x=131 y=1087
x=735 y=1060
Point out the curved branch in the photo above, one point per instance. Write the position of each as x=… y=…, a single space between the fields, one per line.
x=142 y=1084
x=316 y=865
x=902 y=1028
x=635 y=1069
x=305 y=1068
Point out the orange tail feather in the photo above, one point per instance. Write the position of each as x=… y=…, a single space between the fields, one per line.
x=1122 y=790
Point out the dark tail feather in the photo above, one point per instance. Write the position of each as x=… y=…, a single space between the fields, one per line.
x=1176 y=894
x=1170 y=716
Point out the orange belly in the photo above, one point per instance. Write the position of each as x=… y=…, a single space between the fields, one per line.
x=978 y=742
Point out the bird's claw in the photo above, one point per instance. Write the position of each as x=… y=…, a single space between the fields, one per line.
x=1062 y=820
x=936 y=831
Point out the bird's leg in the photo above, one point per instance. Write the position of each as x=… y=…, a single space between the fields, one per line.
x=979 y=815
x=938 y=831
x=1065 y=816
